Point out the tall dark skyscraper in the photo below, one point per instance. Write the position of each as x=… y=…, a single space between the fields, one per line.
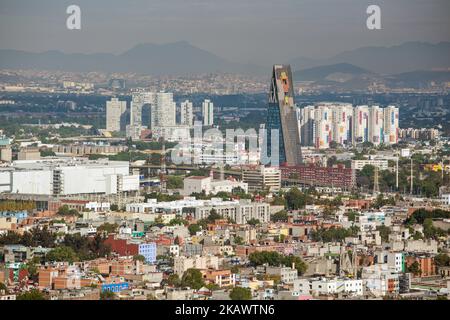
x=282 y=115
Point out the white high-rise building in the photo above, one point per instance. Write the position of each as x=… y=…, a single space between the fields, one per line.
x=186 y=114
x=208 y=113
x=361 y=124
x=138 y=100
x=163 y=111
x=342 y=124
x=391 y=125
x=306 y=125
x=323 y=126
x=116 y=115
x=376 y=127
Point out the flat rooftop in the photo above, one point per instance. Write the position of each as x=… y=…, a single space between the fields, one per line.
x=49 y=164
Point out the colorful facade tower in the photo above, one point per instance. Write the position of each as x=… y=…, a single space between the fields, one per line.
x=282 y=116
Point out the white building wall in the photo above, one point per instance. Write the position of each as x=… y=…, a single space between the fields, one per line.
x=129 y=183
x=5 y=181
x=376 y=125
x=32 y=182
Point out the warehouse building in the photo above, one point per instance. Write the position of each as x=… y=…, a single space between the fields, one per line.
x=67 y=177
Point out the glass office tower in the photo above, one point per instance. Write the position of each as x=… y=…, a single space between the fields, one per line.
x=282 y=116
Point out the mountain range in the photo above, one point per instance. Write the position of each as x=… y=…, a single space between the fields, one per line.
x=172 y=58
x=406 y=57
x=179 y=58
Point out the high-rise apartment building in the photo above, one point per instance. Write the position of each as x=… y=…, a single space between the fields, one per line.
x=340 y=122
x=163 y=111
x=376 y=125
x=282 y=116
x=138 y=100
x=391 y=124
x=323 y=126
x=342 y=115
x=306 y=119
x=361 y=124
x=186 y=113
x=208 y=113
x=116 y=114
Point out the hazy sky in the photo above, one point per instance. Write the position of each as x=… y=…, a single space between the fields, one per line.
x=258 y=31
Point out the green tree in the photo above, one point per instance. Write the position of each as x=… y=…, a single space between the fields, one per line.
x=194 y=228
x=174 y=182
x=213 y=216
x=139 y=257
x=65 y=211
x=279 y=201
x=352 y=216
x=4 y=288
x=279 y=216
x=61 y=254
x=107 y=295
x=442 y=260
x=239 y=293
x=295 y=199
x=108 y=227
x=32 y=269
x=177 y=221
x=212 y=286
x=414 y=268
x=238 y=240
x=253 y=222
x=273 y=258
x=333 y=234
x=174 y=280
x=33 y=294
x=384 y=232
x=235 y=269
x=47 y=153
x=192 y=278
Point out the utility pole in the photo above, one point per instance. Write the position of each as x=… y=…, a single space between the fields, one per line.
x=376 y=187
x=412 y=177
x=396 y=175
x=162 y=175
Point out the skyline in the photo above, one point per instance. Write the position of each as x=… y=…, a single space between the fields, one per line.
x=247 y=33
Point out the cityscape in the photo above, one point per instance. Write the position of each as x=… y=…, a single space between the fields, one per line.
x=169 y=173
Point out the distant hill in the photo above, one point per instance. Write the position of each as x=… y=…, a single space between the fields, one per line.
x=172 y=58
x=405 y=57
x=418 y=78
x=179 y=58
x=340 y=72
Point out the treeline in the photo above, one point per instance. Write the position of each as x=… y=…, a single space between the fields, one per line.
x=273 y=258
x=73 y=247
x=11 y=205
x=420 y=215
x=333 y=234
x=34 y=238
x=425 y=218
